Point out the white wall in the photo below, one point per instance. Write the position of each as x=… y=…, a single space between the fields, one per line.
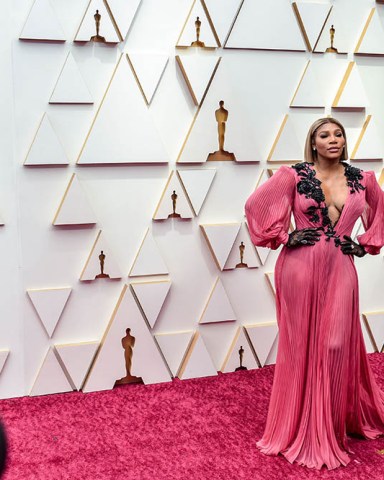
x=257 y=86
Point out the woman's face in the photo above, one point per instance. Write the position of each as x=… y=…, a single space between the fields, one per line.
x=329 y=142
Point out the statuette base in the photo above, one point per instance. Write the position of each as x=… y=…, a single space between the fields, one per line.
x=102 y=275
x=174 y=215
x=129 y=379
x=197 y=43
x=331 y=50
x=240 y=368
x=241 y=265
x=97 y=39
x=221 y=156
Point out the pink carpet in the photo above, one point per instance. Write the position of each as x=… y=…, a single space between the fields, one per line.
x=203 y=429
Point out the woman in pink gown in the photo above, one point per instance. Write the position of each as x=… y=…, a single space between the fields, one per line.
x=323 y=387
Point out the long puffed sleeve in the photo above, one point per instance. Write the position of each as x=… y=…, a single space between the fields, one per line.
x=268 y=209
x=373 y=216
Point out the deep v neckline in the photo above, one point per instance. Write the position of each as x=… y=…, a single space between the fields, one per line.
x=320 y=183
x=310 y=186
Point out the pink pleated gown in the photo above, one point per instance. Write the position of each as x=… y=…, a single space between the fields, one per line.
x=323 y=387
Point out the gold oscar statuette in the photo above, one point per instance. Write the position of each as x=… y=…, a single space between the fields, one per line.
x=197 y=42
x=221 y=115
x=174 y=200
x=241 y=264
x=241 y=355
x=128 y=342
x=332 y=49
x=102 y=261
x=97 y=38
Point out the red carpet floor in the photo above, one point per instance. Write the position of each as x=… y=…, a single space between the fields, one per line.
x=203 y=429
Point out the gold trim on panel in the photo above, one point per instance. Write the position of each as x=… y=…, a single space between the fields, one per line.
x=184 y=73
x=197 y=113
x=362 y=133
x=343 y=84
x=381 y=178
x=209 y=299
x=229 y=353
x=282 y=126
x=98 y=110
x=101 y=344
x=300 y=82
x=163 y=194
x=186 y=193
x=63 y=199
x=202 y=226
x=270 y=283
x=322 y=29
x=369 y=331
x=207 y=14
x=364 y=30
x=90 y=254
x=187 y=355
x=137 y=79
x=301 y=25
x=233 y=23
x=114 y=23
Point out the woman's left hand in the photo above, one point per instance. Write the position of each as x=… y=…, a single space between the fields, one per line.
x=349 y=247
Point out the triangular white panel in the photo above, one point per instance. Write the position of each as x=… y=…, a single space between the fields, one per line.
x=70 y=86
x=134 y=140
x=77 y=359
x=46 y=148
x=198 y=362
x=270 y=276
x=242 y=244
x=151 y=297
x=232 y=361
x=223 y=14
x=148 y=260
x=340 y=39
x=123 y=13
x=188 y=34
x=51 y=377
x=369 y=343
x=286 y=146
x=263 y=253
x=276 y=27
x=87 y=28
x=263 y=337
x=174 y=347
x=198 y=71
x=74 y=208
x=312 y=16
x=146 y=361
x=173 y=192
x=369 y=145
x=3 y=358
x=197 y=184
x=220 y=238
x=218 y=307
x=148 y=69
x=371 y=41
x=375 y=325
x=49 y=304
x=92 y=267
x=42 y=24
x=351 y=93
x=309 y=91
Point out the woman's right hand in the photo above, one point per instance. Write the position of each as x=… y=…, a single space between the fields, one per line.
x=304 y=237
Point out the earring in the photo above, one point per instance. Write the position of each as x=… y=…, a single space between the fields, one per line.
x=314 y=149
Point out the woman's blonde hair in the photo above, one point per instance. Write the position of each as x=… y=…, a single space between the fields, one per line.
x=310 y=155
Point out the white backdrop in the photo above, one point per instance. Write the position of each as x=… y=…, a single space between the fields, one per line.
x=259 y=72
